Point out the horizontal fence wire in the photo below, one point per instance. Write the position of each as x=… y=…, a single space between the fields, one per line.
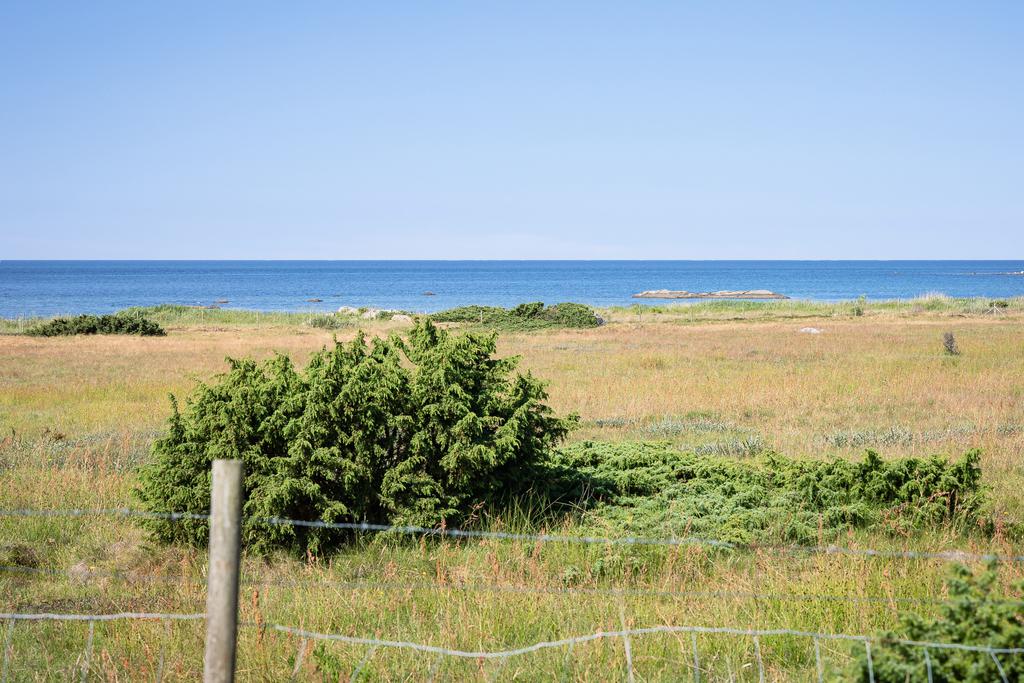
x=90 y=619
x=493 y=654
x=256 y=582
x=116 y=616
x=615 y=592
x=499 y=535
x=627 y=633
x=952 y=555
x=443 y=532
x=947 y=555
x=103 y=512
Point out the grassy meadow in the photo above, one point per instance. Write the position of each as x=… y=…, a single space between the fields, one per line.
x=731 y=379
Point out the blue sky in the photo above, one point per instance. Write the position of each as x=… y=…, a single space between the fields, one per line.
x=512 y=130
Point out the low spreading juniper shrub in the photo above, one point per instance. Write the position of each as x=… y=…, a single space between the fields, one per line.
x=977 y=614
x=650 y=488
x=415 y=431
x=118 y=323
x=530 y=316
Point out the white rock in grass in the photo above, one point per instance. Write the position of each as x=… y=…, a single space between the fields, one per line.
x=810 y=330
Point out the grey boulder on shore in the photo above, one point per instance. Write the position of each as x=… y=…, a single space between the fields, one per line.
x=721 y=294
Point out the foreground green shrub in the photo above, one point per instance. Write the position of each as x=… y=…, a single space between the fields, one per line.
x=118 y=323
x=529 y=316
x=655 y=490
x=977 y=615
x=416 y=431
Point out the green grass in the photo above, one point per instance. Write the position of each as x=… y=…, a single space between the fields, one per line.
x=699 y=310
x=77 y=415
x=175 y=315
x=465 y=595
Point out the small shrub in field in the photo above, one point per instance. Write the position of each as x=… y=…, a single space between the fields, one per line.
x=949 y=344
x=530 y=316
x=976 y=615
x=999 y=303
x=572 y=315
x=470 y=314
x=118 y=323
x=413 y=431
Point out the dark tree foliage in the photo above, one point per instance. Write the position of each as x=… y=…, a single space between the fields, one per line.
x=977 y=615
x=394 y=431
x=118 y=323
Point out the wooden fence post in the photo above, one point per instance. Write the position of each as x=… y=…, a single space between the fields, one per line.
x=222 y=578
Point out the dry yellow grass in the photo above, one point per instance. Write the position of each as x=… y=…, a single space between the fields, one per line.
x=76 y=415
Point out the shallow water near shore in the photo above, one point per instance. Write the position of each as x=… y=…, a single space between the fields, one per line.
x=44 y=288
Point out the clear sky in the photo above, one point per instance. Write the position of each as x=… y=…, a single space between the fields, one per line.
x=512 y=129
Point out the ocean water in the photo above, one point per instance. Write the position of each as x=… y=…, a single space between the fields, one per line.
x=30 y=288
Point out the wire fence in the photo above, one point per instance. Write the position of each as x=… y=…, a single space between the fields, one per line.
x=953 y=555
x=85 y=575
x=625 y=635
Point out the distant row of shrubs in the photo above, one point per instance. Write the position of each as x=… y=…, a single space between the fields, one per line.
x=117 y=323
x=530 y=316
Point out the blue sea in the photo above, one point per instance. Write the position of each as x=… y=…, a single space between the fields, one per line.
x=30 y=288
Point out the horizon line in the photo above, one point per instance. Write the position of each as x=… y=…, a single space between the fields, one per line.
x=495 y=260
